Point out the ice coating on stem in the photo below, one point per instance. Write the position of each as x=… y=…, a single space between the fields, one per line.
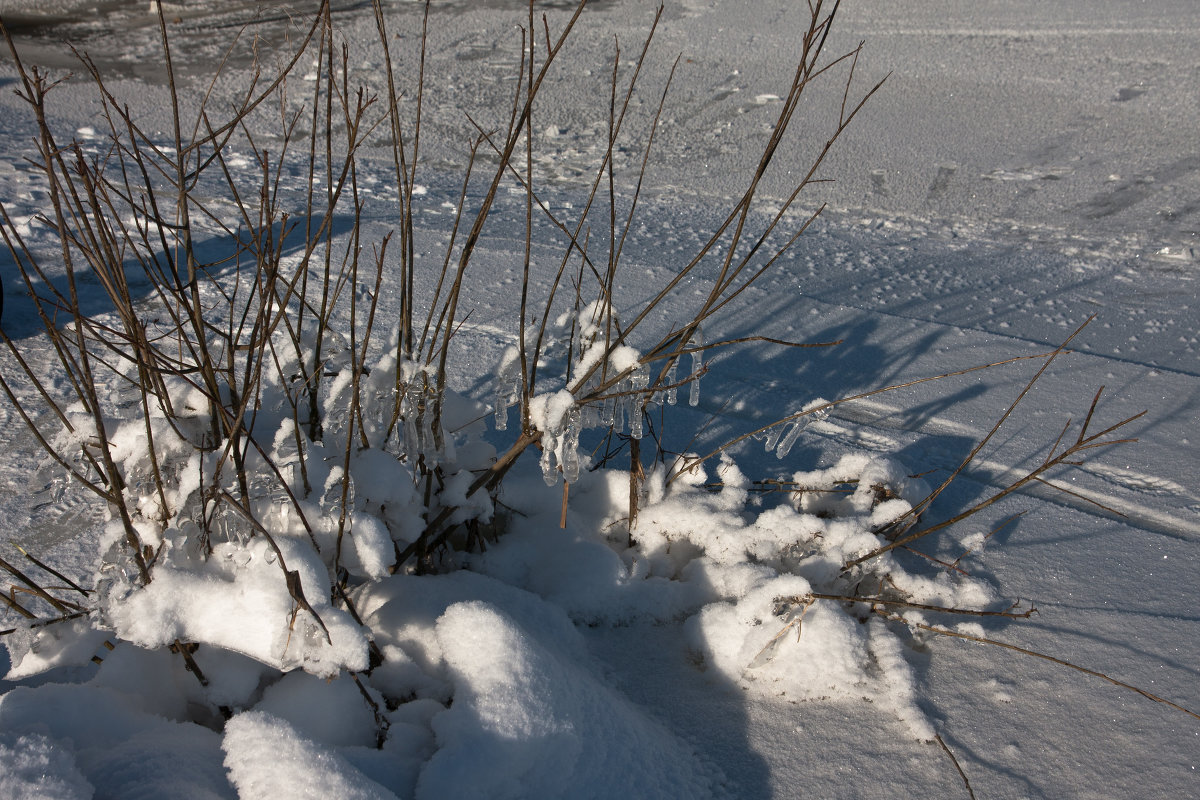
x=638 y=382
x=405 y=409
x=331 y=498
x=416 y=438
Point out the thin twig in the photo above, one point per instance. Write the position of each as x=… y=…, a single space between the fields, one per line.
x=966 y=783
x=1052 y=659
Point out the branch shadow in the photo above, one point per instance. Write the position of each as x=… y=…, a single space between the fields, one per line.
x=218 y=254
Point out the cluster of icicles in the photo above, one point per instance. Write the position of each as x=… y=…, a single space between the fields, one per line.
x=781 y=436
x=579 y=340
x=561 y=417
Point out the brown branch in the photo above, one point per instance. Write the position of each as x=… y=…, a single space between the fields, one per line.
x=1052 y=659
x=966 y=783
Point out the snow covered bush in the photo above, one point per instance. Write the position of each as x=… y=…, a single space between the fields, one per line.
x=316 y=552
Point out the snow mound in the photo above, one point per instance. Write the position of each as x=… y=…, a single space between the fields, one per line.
x=117 y=748
x=267 y=759
x=531 y=723
x=35 y=768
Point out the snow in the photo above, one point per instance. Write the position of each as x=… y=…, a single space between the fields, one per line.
x=267 y=757
x=35 y=769
x=1025 y=166
x=538 y=723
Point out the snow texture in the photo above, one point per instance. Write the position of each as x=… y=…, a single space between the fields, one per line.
x=1024 y=166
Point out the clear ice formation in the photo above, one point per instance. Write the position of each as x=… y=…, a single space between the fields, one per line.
x=583 y=333
x=783 y=436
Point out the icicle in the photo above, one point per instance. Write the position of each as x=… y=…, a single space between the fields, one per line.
x=280 y=500
x=501 y=404
x=638 y=382
x=409 y=408
x=228 y=527
x=336 y=352
x=621 y=406
x=772 y=437
x=425 y=430
x=335 y=422
x=608 y=412
x=797 y=427
x=789 y=439
x=551 y=439
x=589 y=417
x=260 y=486
x=412 y=439
x=508 y=392
x=508 y=385
x=117 y=572
x=672 y=389
x=549 y=470
x=281 y=512
x=697 y=341
x=570 y=445
x=192 y=538
x=286 y=450
x=414 y=411
x=49 y=484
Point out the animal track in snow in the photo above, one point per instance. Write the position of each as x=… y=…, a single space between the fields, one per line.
x=1028 y=174
x=945 y=172
x=1138 y=481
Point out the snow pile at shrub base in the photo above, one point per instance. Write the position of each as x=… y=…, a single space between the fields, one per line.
x=196 y=606
x=486 y=688
x=741 y=577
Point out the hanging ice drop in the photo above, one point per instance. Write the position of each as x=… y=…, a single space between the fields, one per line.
x=549 y=470
x=501 y=409
x=697 y=342
x=672 y=389
x=621 y=406
x=772 y=437
x=608 y=412
x=798 y=426
x=789 y=439
x=570 y=445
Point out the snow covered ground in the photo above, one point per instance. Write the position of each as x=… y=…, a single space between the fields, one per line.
x=1025 y=166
